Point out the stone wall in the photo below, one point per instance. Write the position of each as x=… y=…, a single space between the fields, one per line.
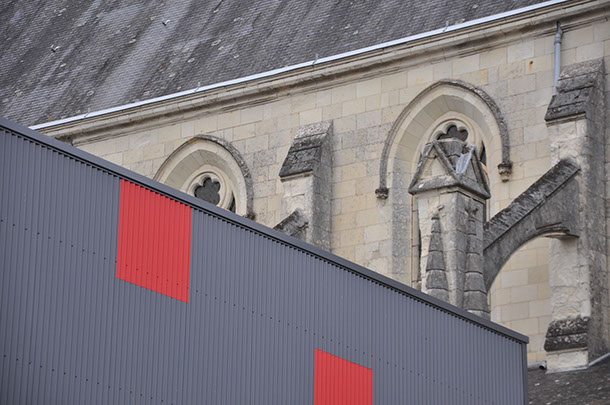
x=520 y=296
x=514 y=66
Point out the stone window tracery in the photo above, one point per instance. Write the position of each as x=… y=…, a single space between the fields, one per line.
x=212 y=185
x=453 y=128
x=210 y=169
x=208 y=191
x=457 y=128
x=454 y=132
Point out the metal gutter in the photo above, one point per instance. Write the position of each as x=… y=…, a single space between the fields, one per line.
x=310 y=63
x=601 y=358
x=256 y=227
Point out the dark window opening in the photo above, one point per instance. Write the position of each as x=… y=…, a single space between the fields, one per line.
x=209 y=191
x=232 y=206
x=454 y=133
x=483 y=155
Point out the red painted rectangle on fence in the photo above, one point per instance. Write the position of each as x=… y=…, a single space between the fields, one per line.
x=341 y=382
x=154 y=249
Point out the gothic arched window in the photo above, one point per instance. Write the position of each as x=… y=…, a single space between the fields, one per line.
x=457 y=128
x=212 y=185
x=212 y=170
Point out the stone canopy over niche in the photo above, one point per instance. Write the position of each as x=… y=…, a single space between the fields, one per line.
x=447 y=102
x=211 y=169
x=429 y=117
x=451 y=188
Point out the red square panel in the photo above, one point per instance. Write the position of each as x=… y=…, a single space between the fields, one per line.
x=339 y=381
x=154 y=241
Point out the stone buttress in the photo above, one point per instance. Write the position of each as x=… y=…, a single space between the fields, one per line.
x=307 y=179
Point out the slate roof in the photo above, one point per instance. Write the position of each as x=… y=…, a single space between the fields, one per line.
x=585 y=387
x=60 y=58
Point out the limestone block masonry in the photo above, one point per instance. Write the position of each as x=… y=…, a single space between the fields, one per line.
x=306 y=175
x=384 y=106
x=450 y=189
x=578 y=268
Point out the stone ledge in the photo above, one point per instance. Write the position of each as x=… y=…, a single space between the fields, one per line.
x=305 y=152
x=565 y=334
x=575 y=90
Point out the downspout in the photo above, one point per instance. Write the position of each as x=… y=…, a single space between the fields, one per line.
x=558 y=36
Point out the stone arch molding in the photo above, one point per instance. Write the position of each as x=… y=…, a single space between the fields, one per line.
x=205 y=154
x=442 y=101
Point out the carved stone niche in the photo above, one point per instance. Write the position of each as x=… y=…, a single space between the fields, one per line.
x=450 y=188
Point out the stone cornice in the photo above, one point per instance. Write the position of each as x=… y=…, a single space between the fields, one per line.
x=383 y=61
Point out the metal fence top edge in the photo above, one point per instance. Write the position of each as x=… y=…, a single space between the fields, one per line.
x=256 y=227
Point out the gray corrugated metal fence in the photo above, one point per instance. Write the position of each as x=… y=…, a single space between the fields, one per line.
x=260 y=303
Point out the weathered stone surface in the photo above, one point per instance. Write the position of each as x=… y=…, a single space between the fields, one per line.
x=536 y=195
x=504 y=168
x=567 y=334
x=547 y=207
x=294 y=224
x=475 y=291
x=450 y=182
x=459 y=165
x=382 y=192
x=441 y=294
x=578 y=268
x=476 y=301
x=435 y=261
x=436 y=279
x=575 y=87
x=306 y=175
x=436 y=245
x=305 y=152
x=473 y=281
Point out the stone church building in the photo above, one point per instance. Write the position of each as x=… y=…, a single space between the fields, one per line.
x=459 y=147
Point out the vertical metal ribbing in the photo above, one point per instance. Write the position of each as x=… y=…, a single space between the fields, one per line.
x=258 y=308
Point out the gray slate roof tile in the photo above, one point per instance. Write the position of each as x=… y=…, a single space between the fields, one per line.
x=61 y=58
x=587 y=387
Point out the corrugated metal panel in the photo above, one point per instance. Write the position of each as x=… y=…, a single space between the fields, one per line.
x=260 y=304
x=338 y=381
x=154 y=248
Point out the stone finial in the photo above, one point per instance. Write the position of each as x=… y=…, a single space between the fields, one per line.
x=475 y=291
x=436 y=276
